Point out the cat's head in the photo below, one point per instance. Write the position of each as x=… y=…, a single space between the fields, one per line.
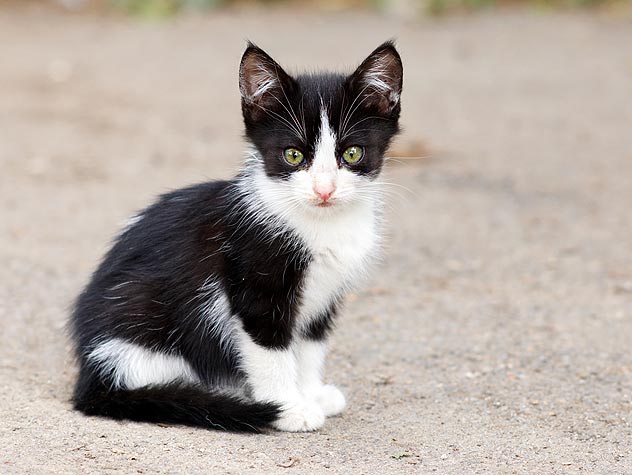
x=320 y=139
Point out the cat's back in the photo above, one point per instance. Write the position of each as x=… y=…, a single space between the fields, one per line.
x=181 y=210
x=177 y=222
x=159 y=251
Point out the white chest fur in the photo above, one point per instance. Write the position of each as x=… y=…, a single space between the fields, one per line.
x=343 y=249
x=343 y=243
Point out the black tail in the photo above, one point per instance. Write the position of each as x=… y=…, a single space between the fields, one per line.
x=176 y=404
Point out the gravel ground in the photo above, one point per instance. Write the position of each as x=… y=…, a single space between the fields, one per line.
x=495 y=337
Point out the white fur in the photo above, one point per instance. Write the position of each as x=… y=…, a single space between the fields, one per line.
x=265 y=79
x=378 y=78
x=310 y=357
x=325 y=154
x=264 y=83
x=340 y=243
x=272 y=375
x=324 y=168
x=216 y=316
x=129 y=223
x=131 y=366
x=340 y=257
x=260 y=81
x=343 y=240
x=272 y=372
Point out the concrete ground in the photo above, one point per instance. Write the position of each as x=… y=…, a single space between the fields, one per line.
x=496 y=336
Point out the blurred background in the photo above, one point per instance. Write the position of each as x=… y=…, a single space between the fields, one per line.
x=495 y=337
x=411 y=8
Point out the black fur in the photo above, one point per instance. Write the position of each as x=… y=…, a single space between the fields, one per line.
x=167 y=259
x=320 y=327
x=308 y=91
x=147 y=289
x=175 y=403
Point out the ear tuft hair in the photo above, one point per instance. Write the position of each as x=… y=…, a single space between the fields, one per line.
x=379 y=79
x=262 y=82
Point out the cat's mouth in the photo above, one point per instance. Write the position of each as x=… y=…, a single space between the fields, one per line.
x=324 y=204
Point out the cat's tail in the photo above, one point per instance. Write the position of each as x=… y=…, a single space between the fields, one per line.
x=176 y=403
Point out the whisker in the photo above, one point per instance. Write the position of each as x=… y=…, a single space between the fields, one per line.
x=351 y=110
x=282 y=119
x=410 y=157
x=350 y=131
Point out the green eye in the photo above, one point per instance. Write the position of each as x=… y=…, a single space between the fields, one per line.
x=293 y=156
x=353 y=154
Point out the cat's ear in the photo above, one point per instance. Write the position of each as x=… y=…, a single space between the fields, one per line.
x=378 y=80
x=263 y=84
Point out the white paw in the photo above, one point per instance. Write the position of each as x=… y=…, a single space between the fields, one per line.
x=330 y=399
x=301 y=417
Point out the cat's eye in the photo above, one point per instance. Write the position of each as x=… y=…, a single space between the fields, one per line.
x=293 y=156
x=353 y=154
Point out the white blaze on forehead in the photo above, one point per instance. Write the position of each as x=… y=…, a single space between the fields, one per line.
x=325 y=156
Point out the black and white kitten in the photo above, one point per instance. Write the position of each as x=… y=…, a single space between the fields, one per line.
x=214 y=305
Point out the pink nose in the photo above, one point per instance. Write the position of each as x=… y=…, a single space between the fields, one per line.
x=324 y=192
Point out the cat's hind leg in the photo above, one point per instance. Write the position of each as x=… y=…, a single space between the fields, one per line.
x=130 y=366
x=122 y=380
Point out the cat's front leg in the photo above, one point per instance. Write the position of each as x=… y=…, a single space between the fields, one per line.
x=310 y=357
x=272 y=376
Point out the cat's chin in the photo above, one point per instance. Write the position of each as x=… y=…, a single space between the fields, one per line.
x=331 y=207
x=316 y=203
x=328 y=207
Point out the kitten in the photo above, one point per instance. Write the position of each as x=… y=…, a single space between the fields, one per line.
x=214 y=305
